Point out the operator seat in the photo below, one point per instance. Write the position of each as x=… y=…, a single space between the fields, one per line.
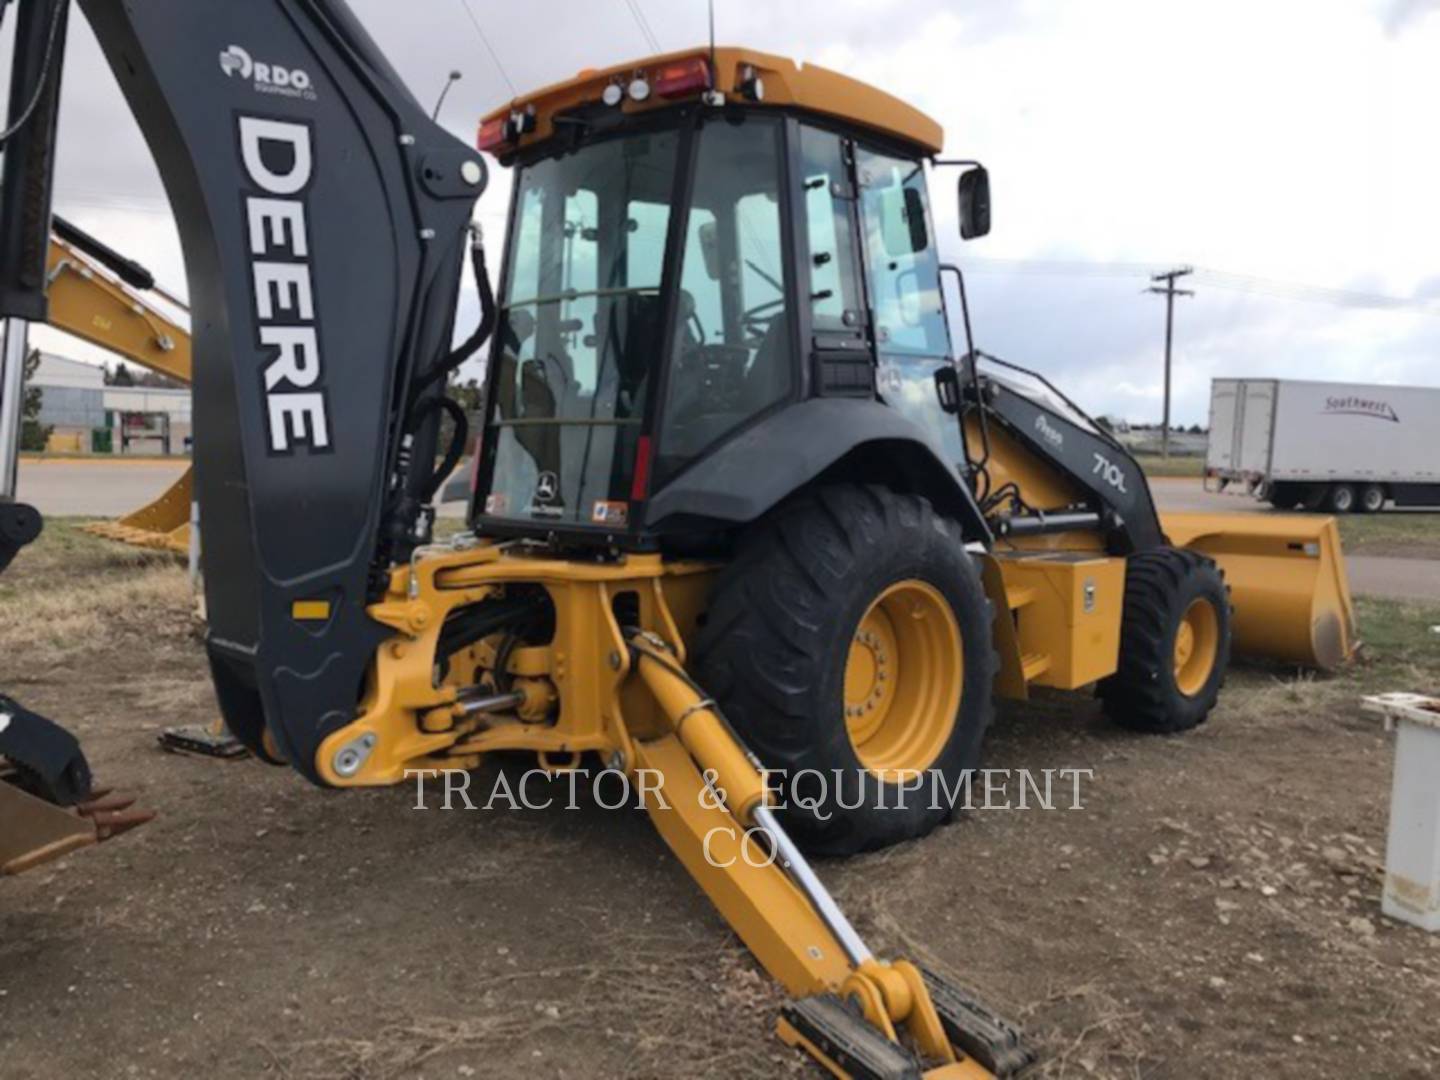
x=768 y=377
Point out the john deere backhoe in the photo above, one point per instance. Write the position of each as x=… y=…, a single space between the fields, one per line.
x=744 y=518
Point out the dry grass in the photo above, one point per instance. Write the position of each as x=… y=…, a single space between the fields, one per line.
x=1176 y=465
x=70 y=590
x=1403 y=533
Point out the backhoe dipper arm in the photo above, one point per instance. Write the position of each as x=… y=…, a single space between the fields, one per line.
x=323 y=220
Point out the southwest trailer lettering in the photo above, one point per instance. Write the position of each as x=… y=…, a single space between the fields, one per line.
x=278 y=159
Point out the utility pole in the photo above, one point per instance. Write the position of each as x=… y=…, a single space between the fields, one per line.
x=1169 y=291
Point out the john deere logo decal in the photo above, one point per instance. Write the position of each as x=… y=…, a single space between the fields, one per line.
x=1374 y=408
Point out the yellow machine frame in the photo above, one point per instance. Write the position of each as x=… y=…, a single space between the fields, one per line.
x=622 y=693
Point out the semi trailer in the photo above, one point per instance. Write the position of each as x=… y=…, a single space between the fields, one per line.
x=1337 y=447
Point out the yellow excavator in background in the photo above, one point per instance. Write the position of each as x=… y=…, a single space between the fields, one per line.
x=96 y=295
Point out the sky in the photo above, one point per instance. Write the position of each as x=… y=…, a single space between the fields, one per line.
x=1287 y=149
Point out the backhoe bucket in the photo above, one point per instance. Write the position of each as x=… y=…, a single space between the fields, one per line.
x=33 y=831
x=163 y=524
x=1287 y=581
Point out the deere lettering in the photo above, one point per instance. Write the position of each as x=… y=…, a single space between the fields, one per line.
x=279 y=160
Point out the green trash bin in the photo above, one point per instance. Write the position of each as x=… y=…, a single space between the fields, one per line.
x=101 y=441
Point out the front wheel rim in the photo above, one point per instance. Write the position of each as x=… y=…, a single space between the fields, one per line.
x=903 y=679
x=1197 y=644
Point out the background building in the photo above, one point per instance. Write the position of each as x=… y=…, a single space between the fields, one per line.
x=76 y=404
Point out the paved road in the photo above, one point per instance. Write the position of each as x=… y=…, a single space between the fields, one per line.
x=1373 y=575
x=1188 y=493
x=106 y=488
x=111 y=488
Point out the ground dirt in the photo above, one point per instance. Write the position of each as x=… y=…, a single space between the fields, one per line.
x=1213 y=907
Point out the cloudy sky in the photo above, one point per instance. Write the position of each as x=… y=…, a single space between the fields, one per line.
x=1287 y=149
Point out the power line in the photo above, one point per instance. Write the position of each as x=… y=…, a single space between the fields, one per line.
x=489 y=48
x=643 y=23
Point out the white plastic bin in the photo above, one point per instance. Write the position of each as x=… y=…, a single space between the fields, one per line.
x=1412 y=851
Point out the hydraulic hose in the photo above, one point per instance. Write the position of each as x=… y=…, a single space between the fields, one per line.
x=454 y=451
x=471 y=345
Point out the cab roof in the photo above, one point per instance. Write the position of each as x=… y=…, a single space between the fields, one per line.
x=786 y=83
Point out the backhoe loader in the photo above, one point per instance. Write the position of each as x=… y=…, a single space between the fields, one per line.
x=745 y=524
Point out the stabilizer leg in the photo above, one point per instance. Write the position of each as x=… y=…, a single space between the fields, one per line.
x=858 y=1016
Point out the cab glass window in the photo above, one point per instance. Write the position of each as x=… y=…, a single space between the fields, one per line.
x=581 y=325
x=900 y=256
x=836 y=302
x=731 y=356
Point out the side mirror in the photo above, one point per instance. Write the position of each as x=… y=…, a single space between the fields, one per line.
x=974 y=202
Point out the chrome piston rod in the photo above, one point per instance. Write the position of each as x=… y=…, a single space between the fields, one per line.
x=486 y=703
x=805 y=878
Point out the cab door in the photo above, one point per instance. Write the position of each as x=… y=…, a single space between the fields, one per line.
x=842 y=360
x=902 y=278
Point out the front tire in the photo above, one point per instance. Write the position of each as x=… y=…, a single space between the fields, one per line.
x=1174 y=642
x=849 y=643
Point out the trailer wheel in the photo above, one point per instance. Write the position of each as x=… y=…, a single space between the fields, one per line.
x=1340 y=499
x=1372 y=498
x=849 y=643
x=1174 y=642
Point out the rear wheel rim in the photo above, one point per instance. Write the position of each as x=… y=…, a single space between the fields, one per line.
x=1374 y=499
x=903 y=679
x=1343 y=499
x=1197 y=644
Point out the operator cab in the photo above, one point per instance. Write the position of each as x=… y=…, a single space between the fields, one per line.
x=684 y=261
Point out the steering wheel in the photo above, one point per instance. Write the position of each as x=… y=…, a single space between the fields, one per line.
x=755 y=320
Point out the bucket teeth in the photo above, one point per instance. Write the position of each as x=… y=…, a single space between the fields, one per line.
x=970 y=1026
x=844 y=1039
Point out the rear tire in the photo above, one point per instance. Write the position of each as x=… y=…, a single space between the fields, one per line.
x=1372 y=499
x=1174 y=642
x=1340 y=499
x=860 y=601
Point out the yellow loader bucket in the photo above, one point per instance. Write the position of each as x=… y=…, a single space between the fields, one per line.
x=1287 y=581
x=163 y=524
